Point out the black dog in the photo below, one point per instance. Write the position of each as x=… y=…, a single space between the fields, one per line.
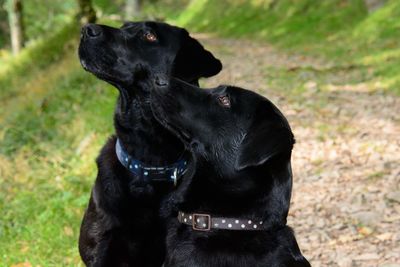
x=121 y=226
x=233 y=210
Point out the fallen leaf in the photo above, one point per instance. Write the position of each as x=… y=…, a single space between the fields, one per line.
x=365 y=231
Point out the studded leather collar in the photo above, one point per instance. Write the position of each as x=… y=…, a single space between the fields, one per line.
x=206 y=222
x=171 y=173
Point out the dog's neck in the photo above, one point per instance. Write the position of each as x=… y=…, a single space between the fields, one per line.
x=243 y=196
x=140 y=133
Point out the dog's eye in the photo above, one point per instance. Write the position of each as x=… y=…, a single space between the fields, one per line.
x=150 y=37
x=224 y=101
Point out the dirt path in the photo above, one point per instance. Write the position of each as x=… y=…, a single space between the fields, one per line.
x=346 y=198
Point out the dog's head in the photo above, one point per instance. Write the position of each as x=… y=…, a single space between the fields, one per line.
x=233 y=128
x=124 y=56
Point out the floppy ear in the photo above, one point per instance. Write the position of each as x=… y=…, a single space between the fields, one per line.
x=193 y=61
x=262 y=143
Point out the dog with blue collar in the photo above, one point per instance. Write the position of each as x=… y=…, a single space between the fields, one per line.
x=142 y=164
x=150 y=174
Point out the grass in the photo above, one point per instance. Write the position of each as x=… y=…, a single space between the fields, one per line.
x=288 y=23
x=16 y=71
x=341 y=32
x=54 y=117
x=53 y=120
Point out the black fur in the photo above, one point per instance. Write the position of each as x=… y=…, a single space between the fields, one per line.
x=242 y=169
x=121 y=226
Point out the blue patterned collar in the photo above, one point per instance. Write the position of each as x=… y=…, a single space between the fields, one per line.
x=171 y=173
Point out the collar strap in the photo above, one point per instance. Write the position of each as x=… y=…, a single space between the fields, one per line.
x=170 y=173
x=205 y=222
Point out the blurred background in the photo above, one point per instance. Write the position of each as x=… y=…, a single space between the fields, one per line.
x=331 y=66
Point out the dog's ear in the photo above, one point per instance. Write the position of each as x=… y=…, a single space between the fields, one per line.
x=193 y=61
x=262 y=143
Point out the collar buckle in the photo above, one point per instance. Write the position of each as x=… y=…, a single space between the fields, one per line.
x=201 y=222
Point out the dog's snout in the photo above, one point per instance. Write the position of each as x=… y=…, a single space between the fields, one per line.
x=92 y=30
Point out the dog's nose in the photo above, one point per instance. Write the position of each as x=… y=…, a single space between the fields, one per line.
x=92 y=30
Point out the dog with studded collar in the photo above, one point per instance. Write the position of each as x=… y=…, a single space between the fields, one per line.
x=231 y=208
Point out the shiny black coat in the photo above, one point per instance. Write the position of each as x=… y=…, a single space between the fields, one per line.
x=122 y=226
x=241 y=146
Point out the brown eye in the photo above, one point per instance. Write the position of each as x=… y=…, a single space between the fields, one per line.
x=224 y=101
x=151 y=37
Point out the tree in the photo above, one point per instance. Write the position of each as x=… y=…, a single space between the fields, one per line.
x=132 y=9
x=16 y=25
x=87 y=14
x=4 y=25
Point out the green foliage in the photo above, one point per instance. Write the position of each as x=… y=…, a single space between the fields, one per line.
x=164 y=9
x=108 y=6
x=341 y=31
x=50 y=134
x=15 y=71
x=381 y=27
x=42 y=17
x=377 y=40
x=53 y=120
x=285 y=21
x=3 y=25
x=54 y=117
x=45 y=17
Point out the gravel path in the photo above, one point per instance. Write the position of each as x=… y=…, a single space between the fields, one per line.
x=346 y=162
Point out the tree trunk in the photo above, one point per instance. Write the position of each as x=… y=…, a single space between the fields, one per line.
x=132 y=9
x=16 y=25
x=87 y=14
